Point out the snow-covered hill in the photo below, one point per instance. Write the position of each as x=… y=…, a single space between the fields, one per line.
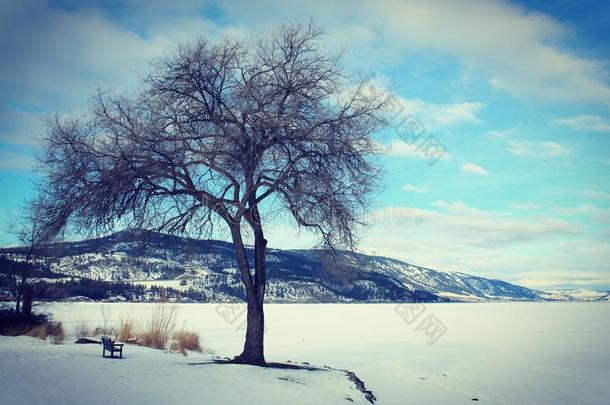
x=578 y=294
x=293 y=275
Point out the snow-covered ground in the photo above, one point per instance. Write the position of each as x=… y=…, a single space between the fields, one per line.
x=498 y=353
x=36 y=372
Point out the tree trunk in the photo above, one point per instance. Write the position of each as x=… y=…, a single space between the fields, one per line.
x=20 y=292
x=18 y=299
x=28 y=294
x=21 y=287
x=254 y=349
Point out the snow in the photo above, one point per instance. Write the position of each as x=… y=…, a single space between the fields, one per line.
x=500 y=353
x=78 y=298
x=77 y=374
x=460 y=297
x=578 y=294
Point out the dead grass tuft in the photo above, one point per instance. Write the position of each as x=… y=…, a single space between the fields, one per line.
x=82 y=330
x=185 y=341
x=127 y=331
x=54 y=331
x=104 y=331
x=160 y=326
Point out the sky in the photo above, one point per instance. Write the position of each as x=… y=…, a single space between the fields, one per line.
x=498 y=158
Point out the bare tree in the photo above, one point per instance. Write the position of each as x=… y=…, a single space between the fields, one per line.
x=223 y=134
x=32 y=232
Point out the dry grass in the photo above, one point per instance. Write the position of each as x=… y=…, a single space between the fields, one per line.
x=54 y=331
x=185 y=341
x=127 y=331
x=105 y=309
x=104 y=331
x=82 y=330
x=159 y=331
x=160 y=326
x=39 y=332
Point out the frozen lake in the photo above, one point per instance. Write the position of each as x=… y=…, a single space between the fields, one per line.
x=499 y=353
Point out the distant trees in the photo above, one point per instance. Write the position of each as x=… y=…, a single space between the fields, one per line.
x=94 y=289
x=223 y=134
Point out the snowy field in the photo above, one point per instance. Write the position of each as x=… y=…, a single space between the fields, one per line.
x=498 y=353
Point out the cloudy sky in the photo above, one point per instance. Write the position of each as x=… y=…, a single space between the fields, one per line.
x=515 y=94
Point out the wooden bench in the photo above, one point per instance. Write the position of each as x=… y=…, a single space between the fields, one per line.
x=112 y=347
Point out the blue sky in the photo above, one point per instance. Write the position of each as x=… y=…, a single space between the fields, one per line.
x=517 y=93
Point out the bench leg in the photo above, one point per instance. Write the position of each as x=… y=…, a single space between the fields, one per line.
x=112 y=352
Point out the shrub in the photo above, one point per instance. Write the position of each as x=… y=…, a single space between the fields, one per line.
x=185 y=340
x=15 y=324
x=35 y=325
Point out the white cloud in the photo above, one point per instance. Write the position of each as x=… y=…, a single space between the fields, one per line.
x=596 y=195
x=414 y=189
x=547 y=283
x=474 y=169
x=560 y=278
x=538 y=149
x=442 y=115
x=524 y=206
x=577 y=210
x=594 y=212
x=585 y=122
x=400 y=148
x=500 y=134
x=483 y=227
x=456 y=236
x=518 y=50
x=430 y=115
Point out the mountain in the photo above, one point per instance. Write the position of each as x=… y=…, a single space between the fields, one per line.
x=577 y=294
x=208 y=266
